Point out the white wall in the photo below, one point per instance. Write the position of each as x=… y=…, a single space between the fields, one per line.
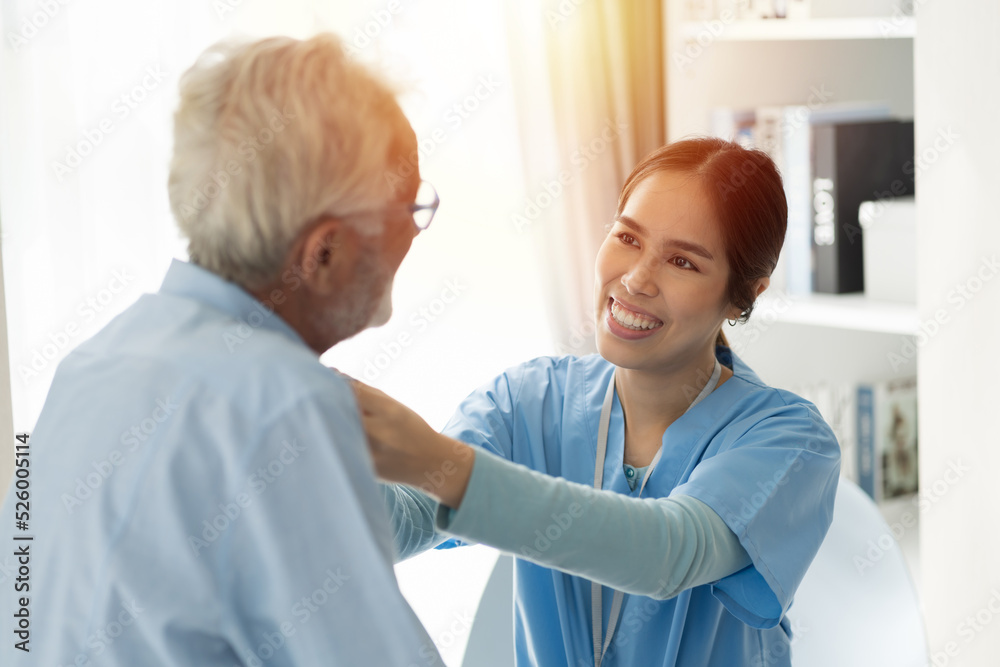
x=6 y=410
x=957 y=69
x=6 y=414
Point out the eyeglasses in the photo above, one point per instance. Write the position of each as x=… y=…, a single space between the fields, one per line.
x=425 y=205
x=422 y=210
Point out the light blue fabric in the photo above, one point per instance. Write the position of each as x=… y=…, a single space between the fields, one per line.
x=201 y=494
x=762 y=458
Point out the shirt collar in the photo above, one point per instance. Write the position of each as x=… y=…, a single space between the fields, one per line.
x=191 y=281
x=727 y=357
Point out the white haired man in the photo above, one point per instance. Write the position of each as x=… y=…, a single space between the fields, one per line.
x=202 y=492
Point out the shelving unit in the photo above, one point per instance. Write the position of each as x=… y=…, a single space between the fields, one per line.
x=884 y=27
x=792 y=339
x=852 y=312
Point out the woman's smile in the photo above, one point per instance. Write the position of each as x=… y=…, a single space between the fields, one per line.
x=630 y=323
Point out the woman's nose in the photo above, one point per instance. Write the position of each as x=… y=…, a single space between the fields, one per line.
x=639 y=280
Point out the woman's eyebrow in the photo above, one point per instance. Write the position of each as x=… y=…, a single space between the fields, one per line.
x=695 y=248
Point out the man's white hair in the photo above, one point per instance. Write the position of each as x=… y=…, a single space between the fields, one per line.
x=268 y=136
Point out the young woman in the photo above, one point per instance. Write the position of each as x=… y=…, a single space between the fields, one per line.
x=663 y=502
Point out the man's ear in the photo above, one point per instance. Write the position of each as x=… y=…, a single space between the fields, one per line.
x=326 y=255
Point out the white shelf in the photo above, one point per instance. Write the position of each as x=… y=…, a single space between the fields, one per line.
x=842 y=311
x=886 y=27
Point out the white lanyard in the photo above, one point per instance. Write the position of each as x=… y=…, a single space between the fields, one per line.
x=602 y=447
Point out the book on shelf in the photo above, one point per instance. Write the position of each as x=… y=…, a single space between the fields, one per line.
x=822 y=250
x=887 y=438
x=746 y=10
x=876 y=426
x=793 y=10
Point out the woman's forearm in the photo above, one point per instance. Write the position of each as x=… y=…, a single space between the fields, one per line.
x=448 y=471
x=648 y=547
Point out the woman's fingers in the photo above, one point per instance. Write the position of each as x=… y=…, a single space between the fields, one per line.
x=370 y=400
x=383 y=417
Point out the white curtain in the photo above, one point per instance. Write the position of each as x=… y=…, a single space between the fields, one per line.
x=591 y=105
x=88 y=93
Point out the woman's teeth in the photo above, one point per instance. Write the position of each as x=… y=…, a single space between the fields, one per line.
x=632 y=320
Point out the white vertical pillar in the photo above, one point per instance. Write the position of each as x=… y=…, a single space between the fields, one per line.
x=957 y=111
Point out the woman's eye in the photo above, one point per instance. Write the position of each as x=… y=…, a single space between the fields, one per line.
x=627 y=239
x=683 y=263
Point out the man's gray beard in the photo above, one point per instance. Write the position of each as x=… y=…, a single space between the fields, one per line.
x=356 y=307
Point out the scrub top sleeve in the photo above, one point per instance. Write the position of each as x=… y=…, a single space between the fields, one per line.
x=485 y=418
x=774 y=486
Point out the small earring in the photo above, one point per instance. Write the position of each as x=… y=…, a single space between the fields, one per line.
x=732 y=323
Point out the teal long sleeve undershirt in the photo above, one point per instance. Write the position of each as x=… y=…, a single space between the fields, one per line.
x=654 y=547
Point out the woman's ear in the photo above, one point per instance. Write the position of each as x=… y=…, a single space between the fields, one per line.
x=762 y=284
x=759 y=286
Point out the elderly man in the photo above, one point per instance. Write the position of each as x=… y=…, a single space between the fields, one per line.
x=201 y=489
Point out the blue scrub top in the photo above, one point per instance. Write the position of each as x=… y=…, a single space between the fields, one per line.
x=762 y=458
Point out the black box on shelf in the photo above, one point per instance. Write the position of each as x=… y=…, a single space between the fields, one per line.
x=853 y=163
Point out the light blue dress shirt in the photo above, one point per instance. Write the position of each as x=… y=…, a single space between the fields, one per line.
x=201 y=494
x=759 y=458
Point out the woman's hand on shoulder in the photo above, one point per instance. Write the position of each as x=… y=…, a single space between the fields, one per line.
x=406 y=450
